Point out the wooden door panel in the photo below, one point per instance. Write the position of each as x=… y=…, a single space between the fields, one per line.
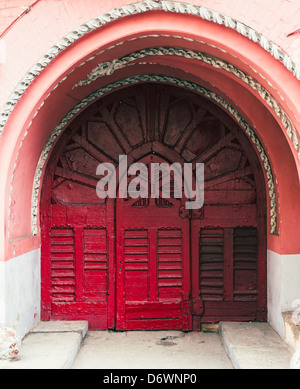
x=228 y=274
x=153 y=269
x=229 y=311
x=79 y=270
x=153 y=279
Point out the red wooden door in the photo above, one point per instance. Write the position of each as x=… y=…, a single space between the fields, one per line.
x=228 y=236
x=150 y=263
x=153 y=262
x=77 y=232
x=77 y=283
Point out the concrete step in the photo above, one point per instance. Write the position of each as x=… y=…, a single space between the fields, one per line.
x=62 y=345
x=152 y=350
x=255 y=346
x=50 y=345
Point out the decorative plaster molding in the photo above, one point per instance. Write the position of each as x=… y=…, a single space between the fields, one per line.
x=161 y=79
x=133 y=9
x=108 y=68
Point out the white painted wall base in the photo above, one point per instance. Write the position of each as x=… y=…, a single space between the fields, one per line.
x=20 y=284
x=283 y=278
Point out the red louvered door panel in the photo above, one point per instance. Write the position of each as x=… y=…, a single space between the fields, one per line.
x=77 y=283
x=227 y=274
x=153 y=267
x=228 y=239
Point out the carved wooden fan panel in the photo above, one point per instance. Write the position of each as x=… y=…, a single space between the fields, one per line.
x=153 y=119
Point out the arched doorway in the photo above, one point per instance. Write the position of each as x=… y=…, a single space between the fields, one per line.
x=152 y=264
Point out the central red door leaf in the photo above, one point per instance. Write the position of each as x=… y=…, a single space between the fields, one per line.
x=153 y=267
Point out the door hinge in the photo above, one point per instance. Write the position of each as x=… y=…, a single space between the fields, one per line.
x=192 y=307
x=197 y=306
